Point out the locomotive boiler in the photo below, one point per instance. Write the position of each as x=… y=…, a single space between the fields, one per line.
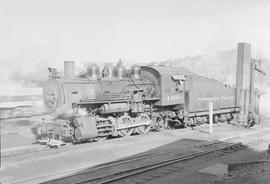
x=119 y=102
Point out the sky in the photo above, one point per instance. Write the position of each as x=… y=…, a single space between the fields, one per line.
x=47 y=32
x=37 y=34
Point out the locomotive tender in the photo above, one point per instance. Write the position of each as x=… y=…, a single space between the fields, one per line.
x=120 y=102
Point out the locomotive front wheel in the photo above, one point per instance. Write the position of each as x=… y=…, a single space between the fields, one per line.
x=142 y=119
x=122 y=122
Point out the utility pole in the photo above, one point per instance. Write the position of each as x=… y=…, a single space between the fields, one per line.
x=253 y=67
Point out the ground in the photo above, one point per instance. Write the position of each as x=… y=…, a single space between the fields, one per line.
x=40 y=166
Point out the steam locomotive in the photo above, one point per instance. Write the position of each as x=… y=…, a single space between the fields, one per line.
x=119 y=102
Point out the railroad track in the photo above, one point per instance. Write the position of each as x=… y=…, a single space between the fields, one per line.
x=138 y=158
x=27 y=153
x=116 y=171
x=46 y=150
x=23 y=116
x=183 y=144
x=15 y=155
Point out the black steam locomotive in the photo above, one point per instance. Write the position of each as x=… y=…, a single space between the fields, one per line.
x=119 y=102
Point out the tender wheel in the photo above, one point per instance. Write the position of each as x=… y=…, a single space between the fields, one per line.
x=125 y=121
x=199 y=120
x=192 y=123
x=216 y=119
x=141 y=119
x=223 y=118
x=204 y=119
x=229 y=116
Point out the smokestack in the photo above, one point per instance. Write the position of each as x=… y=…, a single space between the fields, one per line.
x=243 y=65
x=69 y=69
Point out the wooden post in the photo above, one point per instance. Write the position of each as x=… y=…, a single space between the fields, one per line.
x=0 y=138
x=210 y=117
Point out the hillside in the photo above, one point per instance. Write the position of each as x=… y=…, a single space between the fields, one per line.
x=220 y=66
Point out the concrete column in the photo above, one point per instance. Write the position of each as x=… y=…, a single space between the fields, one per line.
x=243 y=65
x=243 y=73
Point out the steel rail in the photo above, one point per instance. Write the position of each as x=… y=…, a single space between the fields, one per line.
x=166 y=163
x=163 y=152
x=24 y=116
x=44 y=149
x=70 y=147
x=47 y=149
x=112 y=177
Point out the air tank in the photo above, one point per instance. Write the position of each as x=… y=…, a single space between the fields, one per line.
x=113 y=108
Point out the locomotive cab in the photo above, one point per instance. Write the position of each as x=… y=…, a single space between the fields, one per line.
x=169 y=82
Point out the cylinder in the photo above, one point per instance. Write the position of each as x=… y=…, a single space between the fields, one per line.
x=86 y=128
x=69 y=69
